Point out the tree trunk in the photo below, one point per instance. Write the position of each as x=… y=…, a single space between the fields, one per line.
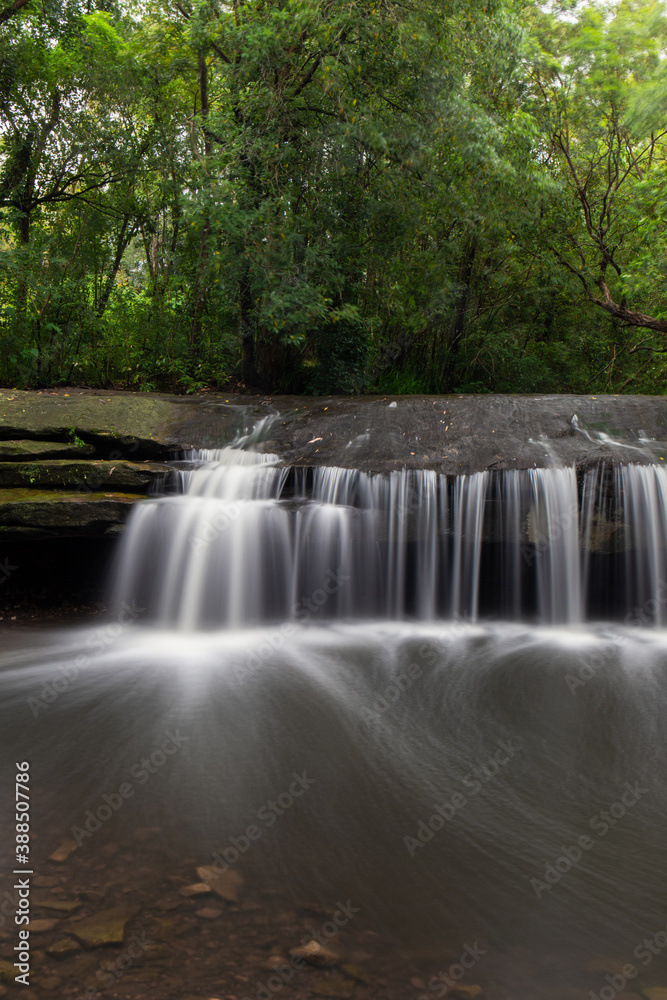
x=121 y=246
x=461 y=312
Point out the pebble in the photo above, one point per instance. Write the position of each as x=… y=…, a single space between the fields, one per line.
x=314 y=954
x=275 y=962
x=225 y=884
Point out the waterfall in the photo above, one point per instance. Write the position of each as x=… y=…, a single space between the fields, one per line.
x=381 y=633
x=243 y=539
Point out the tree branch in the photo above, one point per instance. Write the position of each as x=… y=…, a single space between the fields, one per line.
x=12 y=10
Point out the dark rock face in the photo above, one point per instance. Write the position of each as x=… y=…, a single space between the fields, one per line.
x=464 y=434
x=74 y=464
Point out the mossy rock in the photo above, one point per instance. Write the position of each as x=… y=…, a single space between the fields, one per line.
x=120 y=425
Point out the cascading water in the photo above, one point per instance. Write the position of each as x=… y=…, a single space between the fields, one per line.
x=482 y=776
x=245 y=540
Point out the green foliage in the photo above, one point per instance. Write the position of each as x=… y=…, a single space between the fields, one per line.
x=334 y=196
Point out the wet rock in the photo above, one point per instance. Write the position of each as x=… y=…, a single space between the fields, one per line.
x=208 y=913
x=7 y=972
x=197 y=889
x=225 y=884
x=63 y=852
x=60 y=509
x=464 y=992
x=46 y=881
x=418 y=984
x=314 y=954
x=655 y=993
x=42 y=926
x=27 y=450
x=332 y=988
x=105 y=928
x=138 y=425
x=64 y=948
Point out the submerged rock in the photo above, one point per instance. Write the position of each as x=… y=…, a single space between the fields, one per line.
x=64 y=948
x=62 y=852
x=225 y=884
x=107 y=927
x=315 y=954
x=50 y=902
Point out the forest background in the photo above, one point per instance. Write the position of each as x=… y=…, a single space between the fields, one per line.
x=334 y=196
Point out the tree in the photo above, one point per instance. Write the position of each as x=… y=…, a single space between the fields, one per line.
x=603 y=138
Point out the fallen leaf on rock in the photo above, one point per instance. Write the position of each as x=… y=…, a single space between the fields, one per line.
x=655 y=993
x=225 y=884
x=314 y=954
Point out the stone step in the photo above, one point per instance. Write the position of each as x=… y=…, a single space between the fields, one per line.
x=84 y=476
x=27 y=450
x=57 y=513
